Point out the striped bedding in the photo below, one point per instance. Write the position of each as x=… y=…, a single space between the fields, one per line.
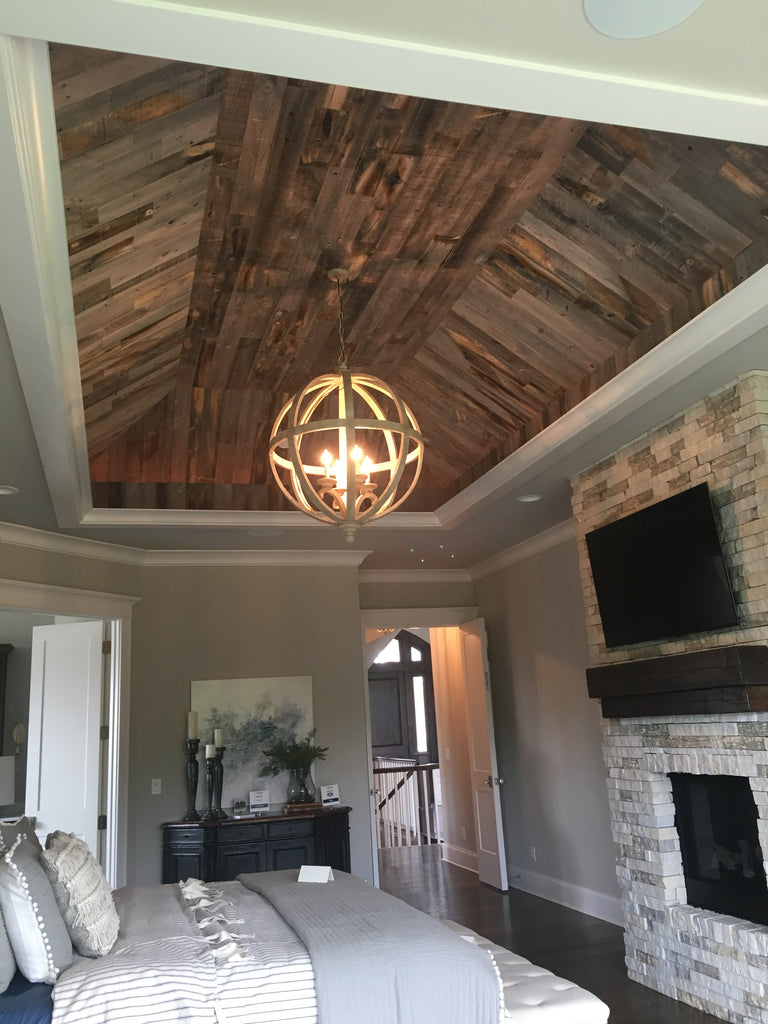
x=215 y=954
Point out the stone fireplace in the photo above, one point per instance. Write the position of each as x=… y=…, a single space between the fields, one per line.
x=696 y=706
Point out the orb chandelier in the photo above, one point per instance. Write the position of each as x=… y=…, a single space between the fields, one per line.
x=345 y=449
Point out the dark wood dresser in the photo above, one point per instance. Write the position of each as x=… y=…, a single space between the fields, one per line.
x=219 y=851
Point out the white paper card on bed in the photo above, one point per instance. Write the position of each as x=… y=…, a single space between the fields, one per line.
x=330 y=795
x=315 y=873
x=259 y=800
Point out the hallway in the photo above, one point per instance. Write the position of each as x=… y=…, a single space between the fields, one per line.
x=583 y=949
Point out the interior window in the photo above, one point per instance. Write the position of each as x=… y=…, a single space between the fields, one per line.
x=390 y=653
x=420 y=714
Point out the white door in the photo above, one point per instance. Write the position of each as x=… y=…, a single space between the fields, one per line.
x=484 y=772
x=64 y=727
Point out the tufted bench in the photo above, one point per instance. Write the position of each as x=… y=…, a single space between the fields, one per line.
x=533 y=995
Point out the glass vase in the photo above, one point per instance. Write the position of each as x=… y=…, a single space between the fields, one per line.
x=309 y=785
x=297 y=790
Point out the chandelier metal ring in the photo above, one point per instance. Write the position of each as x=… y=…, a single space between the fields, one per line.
x=346 y=449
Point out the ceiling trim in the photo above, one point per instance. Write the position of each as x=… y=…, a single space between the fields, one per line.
x=168 y=517
x=58 y=543
x=526 y=549
x=35 y=290
x=62 y=544
x=322 y=53
x=284 y=559
x=39 y=597
x=405 y=617
x=411 y=576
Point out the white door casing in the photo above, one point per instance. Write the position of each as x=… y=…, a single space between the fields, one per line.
x=63 y=763
x=484 y=773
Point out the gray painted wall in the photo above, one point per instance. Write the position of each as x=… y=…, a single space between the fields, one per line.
x=239 y=622
x=548 y=731
x=213 y=622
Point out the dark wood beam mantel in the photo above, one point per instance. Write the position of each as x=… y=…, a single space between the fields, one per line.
x=722 y=680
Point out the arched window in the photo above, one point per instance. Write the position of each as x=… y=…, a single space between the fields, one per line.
x=402 y=700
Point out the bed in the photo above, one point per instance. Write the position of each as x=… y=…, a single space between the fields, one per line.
x=263 y=949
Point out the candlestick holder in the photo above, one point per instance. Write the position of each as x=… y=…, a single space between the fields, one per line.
x=193 y=770
x=210 y=778
x=218 y=782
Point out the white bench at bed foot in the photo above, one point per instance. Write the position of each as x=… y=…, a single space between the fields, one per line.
x=535 y=996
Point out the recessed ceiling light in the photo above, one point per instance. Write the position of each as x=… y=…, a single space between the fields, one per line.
x=8 y=489
x=529 y=497
x=636 y=19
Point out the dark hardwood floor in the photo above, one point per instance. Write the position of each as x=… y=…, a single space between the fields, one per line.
x=583 y=949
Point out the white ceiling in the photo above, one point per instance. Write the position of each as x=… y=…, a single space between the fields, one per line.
x=705 y=76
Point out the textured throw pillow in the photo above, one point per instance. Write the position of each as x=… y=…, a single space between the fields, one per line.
x=84 y=898
x=10 y=830
x=7 y=959
x=38 y=935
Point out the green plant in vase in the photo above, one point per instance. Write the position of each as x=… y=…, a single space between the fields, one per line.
x=296 y=757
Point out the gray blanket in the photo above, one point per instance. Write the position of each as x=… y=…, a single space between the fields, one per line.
x=377 y=960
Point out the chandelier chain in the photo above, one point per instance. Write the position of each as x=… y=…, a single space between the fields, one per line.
x=342 y=346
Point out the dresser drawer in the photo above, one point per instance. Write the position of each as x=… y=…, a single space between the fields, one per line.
x=185 y=836
x=253 y=832
x=289 y=829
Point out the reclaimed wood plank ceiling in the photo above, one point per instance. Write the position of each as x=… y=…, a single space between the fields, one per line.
x=504 y=265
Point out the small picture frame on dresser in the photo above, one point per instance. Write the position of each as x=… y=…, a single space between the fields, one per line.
x=329 y=795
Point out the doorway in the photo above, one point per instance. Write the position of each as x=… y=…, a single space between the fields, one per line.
x=406 y=770
x=470 y=825
x=40 y=603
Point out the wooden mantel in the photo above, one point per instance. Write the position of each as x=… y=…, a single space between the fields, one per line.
x=722 y=680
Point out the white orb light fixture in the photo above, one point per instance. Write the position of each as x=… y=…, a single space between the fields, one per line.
x=345 y=449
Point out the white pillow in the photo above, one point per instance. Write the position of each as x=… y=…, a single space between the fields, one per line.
x=32 y=917
x=81 y=891
x=7 y=959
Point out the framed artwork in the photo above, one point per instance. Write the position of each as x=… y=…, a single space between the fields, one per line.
x=252 y=714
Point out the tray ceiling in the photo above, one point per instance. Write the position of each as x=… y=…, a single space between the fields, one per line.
x=504 y=265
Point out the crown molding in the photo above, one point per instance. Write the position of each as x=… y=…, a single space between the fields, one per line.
x=62 y=544
x=169 y=517
x=57 y=543
x=40 y=597
x=284 y=559
x=384 y=618
x=543 y=541
x=412 y=576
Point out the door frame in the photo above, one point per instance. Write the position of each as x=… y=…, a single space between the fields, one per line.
x=385 y=618
x=117 y=611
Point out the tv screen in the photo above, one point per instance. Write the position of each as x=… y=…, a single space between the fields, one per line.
x=660 y=572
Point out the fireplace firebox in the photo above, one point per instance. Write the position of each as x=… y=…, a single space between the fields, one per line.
x=716 y=820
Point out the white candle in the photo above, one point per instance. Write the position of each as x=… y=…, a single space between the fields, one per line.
x=192 y=733
x=210 y=750
x=218 y=737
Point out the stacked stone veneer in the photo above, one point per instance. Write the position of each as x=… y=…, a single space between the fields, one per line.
x=714 y=962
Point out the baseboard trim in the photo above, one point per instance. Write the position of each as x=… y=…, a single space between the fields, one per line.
x=460 y=858
x=576 y=897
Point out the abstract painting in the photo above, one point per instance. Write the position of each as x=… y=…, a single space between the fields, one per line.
x=252 y=714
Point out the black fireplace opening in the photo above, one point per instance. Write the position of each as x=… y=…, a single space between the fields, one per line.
x=716 y=819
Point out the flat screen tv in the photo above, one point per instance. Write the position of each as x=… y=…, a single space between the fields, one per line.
x=660 y=572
